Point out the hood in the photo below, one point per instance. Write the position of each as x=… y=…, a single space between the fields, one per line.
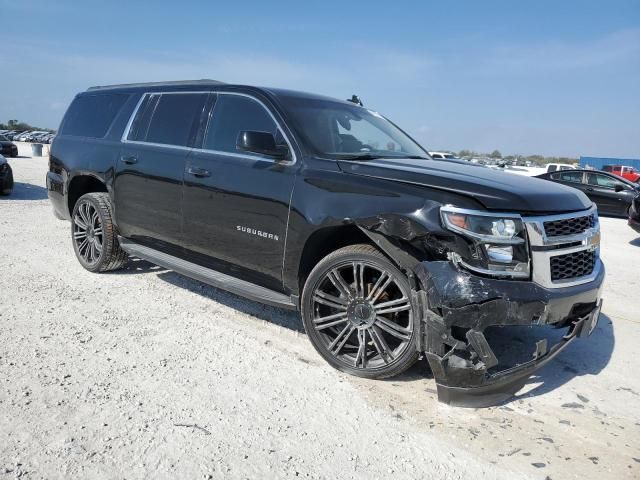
x=494 y=189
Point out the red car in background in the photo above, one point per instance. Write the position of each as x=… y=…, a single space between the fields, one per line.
x=629 y=173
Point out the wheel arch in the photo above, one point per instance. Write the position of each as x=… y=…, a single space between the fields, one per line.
x=80 y=185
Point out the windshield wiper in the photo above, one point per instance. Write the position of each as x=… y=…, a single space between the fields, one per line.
x=359 y=156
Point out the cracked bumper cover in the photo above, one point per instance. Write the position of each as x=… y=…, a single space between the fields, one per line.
x=468 y=303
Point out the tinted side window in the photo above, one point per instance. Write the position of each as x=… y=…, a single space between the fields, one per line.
x=551 y=168
x=168 y=118
x=569 y=176
x=92 y=115
x=233 y=114
x=601 y=180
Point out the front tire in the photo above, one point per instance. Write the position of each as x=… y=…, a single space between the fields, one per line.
x=358 y=312
x=94 y=236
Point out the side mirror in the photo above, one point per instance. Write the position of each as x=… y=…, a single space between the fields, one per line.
x=618 y=187
x=263 y=143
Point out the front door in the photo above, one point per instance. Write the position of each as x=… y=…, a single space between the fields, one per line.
x=236 y=204
x=601 y=189
x=149 y=174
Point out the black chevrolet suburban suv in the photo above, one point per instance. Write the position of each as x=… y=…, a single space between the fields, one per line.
x=325 y=206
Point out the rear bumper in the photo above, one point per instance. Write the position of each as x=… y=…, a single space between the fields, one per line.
x=461 y=306
x=57 y=194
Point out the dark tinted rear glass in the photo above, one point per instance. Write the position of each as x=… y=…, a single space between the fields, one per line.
x=169 y=119
x=92 y=115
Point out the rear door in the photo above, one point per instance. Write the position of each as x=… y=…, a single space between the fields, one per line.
x=236 y=204
x=149 y=173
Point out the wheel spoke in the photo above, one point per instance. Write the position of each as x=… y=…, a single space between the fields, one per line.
x=358 y=278
x=381 y=289
x=374 y=289
x=398 y=305
x=328 y=318
x=361 y=356
x=331 y=323
x=95 y=218
x=92 y=252
x=381 y=344
x=330 y=302
x=393 y=329
x=80 y=234
x=341 y=339
x=336 y=278
x=98 y=243
x=83 y=210
x=83 y=247
x=78 y=221
x=331 y=298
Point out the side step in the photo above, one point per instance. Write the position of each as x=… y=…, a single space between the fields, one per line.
x=207 y=275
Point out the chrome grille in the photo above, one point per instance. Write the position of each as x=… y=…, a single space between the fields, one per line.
x=572 y=265
x=569 y=226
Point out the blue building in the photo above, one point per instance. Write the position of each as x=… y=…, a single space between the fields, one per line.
x=599 y=162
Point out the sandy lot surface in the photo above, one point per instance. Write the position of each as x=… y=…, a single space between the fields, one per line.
x=144 y=373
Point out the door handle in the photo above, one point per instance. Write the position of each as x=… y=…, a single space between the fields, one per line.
x=589 y=189
x=129 y=160
x=198 y=172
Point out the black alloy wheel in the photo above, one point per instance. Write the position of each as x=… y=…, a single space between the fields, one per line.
x=358 y=313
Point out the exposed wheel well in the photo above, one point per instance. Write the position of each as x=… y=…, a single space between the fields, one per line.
x=82 y=185
x=322 y=242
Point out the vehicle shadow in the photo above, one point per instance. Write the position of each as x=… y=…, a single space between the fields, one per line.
x=513 y=345
x=635 y=242
x=278 y=316
x=585 y=356
x=135 y=266
x=26 y=191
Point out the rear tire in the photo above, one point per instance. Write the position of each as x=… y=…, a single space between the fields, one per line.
x=7 y=185
x=358 y=312
x=93 y=234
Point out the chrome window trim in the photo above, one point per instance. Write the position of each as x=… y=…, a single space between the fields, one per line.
x=125 y=134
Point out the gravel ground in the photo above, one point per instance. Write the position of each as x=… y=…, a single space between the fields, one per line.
x=145 y=373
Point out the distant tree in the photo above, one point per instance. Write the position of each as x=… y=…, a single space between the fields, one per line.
x=496 y=154
x=14 y=124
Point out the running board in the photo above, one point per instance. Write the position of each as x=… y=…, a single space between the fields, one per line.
x=207 y=275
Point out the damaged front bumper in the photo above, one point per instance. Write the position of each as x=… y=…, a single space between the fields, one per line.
x=461 y=306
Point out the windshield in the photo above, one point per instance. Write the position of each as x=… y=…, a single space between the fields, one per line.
x=339 y=130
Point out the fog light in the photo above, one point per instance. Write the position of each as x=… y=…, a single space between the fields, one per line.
x=500 y=253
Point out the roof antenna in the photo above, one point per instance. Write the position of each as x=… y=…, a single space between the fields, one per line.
x=355 y=99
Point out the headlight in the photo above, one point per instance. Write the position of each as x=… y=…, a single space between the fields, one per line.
x=497 y=243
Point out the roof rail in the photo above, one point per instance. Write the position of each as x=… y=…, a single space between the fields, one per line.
x=204 y=81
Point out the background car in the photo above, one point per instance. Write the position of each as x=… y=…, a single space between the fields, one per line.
x=634 y=214
x=612 y=194
x=628 y=173
x=7 y=147
x=6 y=177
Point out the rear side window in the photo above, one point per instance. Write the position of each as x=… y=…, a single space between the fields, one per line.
x=233 y=114
x=569 y=176
x=92 y=115
x=168 y=118
x=552 y=168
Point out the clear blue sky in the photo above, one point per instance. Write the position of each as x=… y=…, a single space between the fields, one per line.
x=551 y=77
